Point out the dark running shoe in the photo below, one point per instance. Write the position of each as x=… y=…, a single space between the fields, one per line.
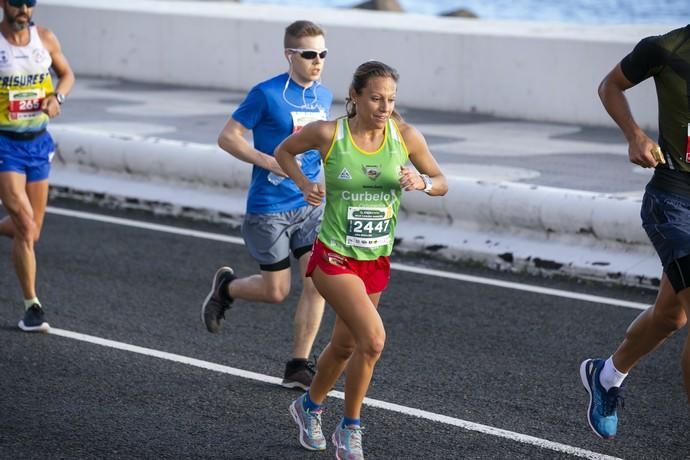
x=299 y=374
x=602 y=409
x=34 y=320
x=218 y=300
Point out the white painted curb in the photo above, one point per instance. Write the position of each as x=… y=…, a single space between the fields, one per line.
x=149 y=157
x=472 y=202
x=547 y=210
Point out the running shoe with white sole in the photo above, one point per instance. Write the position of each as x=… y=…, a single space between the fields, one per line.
x=602 y=412
x=348 y=442
x=218 y=300
x=298 y=374
x=309 y=423
x=34 y=320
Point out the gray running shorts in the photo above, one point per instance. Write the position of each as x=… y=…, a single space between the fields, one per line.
x=271 y=237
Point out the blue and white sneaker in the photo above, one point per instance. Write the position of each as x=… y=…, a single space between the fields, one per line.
x=34 y=320
x=348 y=442
x=602 y=409
x=309 y=423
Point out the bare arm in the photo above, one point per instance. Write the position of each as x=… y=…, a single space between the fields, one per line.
x=316 y=135
x=612 y=94
x=232 y=140
x=62 y=70
x=423 y=161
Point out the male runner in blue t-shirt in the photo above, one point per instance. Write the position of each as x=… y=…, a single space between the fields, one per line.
x=278 y=220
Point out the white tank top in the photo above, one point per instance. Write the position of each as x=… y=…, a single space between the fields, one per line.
x=25 y=80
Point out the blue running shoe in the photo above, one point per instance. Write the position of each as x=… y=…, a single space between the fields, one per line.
x=34 y=320
x=348 y=442
x=602 y=409
x=309 y=423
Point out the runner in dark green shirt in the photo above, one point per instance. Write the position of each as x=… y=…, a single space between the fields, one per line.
x=665 y=212
x=666 y=58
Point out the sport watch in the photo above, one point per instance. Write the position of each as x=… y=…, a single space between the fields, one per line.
x=59 y=97
x=427 y=183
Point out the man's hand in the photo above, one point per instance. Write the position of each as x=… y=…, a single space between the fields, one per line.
x=51 y=106
x=272 y=165
x=645 y=152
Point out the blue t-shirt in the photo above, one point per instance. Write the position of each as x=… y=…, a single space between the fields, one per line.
x=273 y=113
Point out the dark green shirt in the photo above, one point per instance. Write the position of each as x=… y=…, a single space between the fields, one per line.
x=667 y=59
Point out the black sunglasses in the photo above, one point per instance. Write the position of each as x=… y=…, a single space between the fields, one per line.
x=20 y=3
x=308 y=53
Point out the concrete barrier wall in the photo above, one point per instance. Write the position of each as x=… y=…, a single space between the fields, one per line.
x=150 y=157
x=523 y=70
x=470 y=203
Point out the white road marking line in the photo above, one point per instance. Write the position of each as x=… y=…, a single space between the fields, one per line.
x=469 y=426
x=522 y=287
x=145 y=225
x=395 y=266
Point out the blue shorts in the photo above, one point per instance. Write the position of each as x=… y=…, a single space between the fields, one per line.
x=28 y=157
x=271 y=237
x=666 y=219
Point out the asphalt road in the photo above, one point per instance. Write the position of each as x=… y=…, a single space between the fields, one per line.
x=472 y=355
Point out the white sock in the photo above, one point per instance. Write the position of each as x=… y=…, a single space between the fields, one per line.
x=610 y=376
x=29 y=302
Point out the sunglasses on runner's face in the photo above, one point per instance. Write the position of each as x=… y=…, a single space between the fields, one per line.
x=20 y=3
x=307 y=53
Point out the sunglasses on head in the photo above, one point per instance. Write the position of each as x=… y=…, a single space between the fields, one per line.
x=20 y=3
x=308 y=53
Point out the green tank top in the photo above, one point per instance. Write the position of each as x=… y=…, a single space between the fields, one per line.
x=362 y=194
